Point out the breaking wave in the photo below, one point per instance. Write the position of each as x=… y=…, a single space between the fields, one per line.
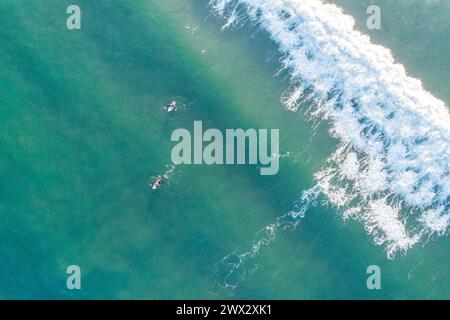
x=391 y=168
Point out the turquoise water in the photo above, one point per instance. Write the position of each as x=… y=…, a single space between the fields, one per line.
x=83 y=130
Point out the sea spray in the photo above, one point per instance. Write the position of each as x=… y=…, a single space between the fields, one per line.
x=391 y=169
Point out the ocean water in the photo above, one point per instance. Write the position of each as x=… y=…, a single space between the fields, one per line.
x=83 y=130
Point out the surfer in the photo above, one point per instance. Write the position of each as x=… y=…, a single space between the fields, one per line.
x=159 y=181
x=171 y=106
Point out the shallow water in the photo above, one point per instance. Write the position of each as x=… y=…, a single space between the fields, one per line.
x=83 y=131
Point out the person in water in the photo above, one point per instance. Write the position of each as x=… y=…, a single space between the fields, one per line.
x=171 y=106
x=160 y=180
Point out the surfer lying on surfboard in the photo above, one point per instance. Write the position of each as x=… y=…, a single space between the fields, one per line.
x=171 y=106
x=159 y=181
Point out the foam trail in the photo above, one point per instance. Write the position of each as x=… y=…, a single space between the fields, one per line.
x=235 y=267
x=391 y=169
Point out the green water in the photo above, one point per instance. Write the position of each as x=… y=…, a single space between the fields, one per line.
x=83 y=130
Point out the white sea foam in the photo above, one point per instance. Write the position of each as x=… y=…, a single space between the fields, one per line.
x=391 y=170
x=233 y=268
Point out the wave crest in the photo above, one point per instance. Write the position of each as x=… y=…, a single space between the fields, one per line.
x=391 y=169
